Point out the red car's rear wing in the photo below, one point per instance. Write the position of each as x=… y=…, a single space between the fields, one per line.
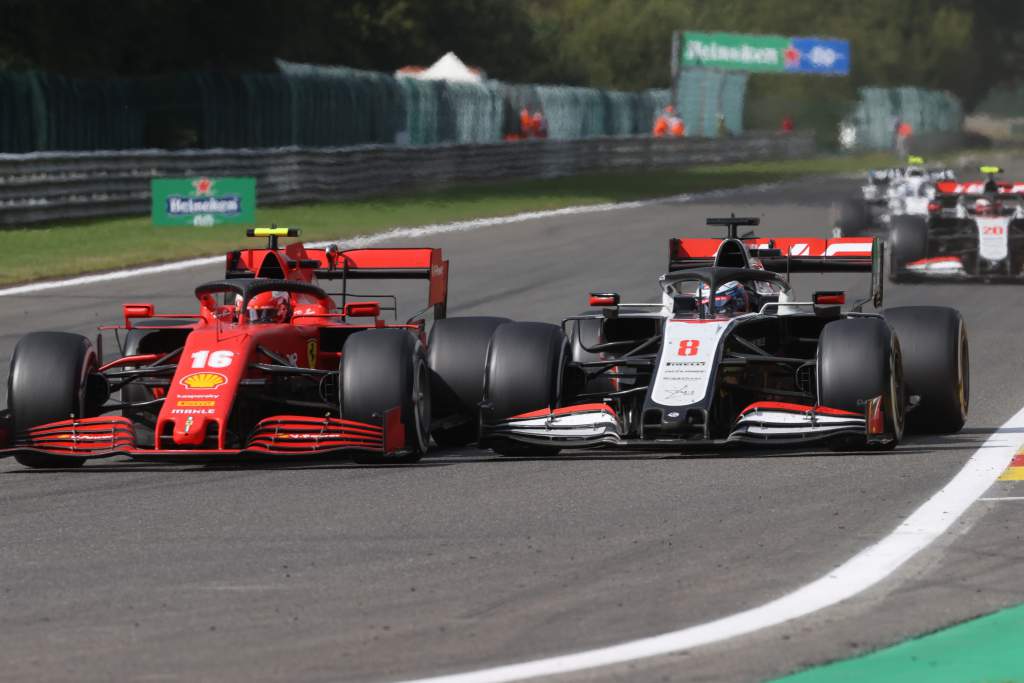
x=296 y=262
x=977 y=187
x=386 y=264
x=781 y=254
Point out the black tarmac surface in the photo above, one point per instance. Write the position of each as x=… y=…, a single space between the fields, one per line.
x=129 y=571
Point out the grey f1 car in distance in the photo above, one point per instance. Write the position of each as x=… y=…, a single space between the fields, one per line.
x=973 y=231
x=728 y=355
x=888 y=195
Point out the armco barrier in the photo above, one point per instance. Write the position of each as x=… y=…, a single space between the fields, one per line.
x=50 y=186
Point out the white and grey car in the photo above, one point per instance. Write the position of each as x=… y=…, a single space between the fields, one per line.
x=887 y=194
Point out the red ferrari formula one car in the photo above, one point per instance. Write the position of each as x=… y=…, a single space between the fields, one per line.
x=729 y=355
x=271 y=364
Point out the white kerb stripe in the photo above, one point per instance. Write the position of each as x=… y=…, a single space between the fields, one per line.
x=862 y=571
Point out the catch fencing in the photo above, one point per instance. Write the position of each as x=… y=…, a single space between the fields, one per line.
x=44 y=187
x=872 y=125
x=297 y=105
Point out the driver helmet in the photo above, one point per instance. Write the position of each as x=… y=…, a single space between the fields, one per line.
x=731 y=298
x=984 y=207
x=268 y=307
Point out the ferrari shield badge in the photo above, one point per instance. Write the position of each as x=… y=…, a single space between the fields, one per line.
x=312 y=352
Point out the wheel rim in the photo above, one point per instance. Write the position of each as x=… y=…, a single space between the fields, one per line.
x=962 y=372
x=895 y=393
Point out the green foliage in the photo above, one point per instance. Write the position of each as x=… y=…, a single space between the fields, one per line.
x=148 y=37
x=959 y=45
x=956 y=45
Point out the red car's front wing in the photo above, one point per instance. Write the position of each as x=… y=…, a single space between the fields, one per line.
x=283 y=435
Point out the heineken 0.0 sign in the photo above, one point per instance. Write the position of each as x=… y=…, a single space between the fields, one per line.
x=203 y=201
x=754 y=53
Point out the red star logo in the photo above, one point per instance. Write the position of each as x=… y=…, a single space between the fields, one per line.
x=203 y=186
x=792 y=56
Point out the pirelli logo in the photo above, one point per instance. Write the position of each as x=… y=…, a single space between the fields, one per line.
x=196 y=404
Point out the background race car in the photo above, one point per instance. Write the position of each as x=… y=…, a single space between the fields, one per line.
x=973 y=230
x=889 y=194
x=728 y=355
x=270 y=365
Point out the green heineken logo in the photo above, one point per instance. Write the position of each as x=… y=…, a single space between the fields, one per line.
x=203 y=201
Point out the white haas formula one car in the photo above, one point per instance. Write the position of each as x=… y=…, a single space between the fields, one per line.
x=889 y=195
x=728 y=355
x=973 y=230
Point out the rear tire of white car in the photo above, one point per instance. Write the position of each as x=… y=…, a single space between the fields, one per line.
x=909 y=242
x=936 y=366
x=525 y=365
x=859 y=359
x=457 y=358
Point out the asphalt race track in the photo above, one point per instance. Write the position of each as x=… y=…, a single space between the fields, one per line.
x=334 y=572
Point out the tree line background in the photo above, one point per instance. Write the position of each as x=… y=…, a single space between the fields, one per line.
x=965 y=46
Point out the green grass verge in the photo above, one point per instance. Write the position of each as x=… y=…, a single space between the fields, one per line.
x=983 y=650
x=71 y=248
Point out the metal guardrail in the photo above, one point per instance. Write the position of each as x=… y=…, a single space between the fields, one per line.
x=49 y=186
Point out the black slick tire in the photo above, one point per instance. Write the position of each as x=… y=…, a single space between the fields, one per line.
x=936 y=366
x=853 y=218
x=525 y=364
x=457 y=355
x=909 y=242
x=49 y=382
x=859 y=359
x=383 y=369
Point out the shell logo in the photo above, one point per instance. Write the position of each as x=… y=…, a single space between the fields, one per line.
x=203 y=380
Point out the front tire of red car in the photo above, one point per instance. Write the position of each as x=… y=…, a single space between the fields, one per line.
x=49 y=382
x=383 y=369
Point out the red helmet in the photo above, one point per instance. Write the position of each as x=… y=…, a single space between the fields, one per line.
x=269 y=307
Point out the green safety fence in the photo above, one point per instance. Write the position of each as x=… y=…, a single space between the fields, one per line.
x=1003 y=101
x=706 y=99
x=872 y=125
x=299 y=104
x=42 y=111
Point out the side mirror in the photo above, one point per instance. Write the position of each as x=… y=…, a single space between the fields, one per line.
x=362 y=309
x=604 y=299
x=829 y=298
x=132 y=311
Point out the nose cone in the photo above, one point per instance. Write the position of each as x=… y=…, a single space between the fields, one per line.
x=189 y=430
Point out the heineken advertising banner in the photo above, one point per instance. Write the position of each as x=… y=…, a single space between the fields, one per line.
x=203 y=201
x=768 y=54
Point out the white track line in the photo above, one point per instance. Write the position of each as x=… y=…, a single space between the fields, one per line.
x=862 y=571
x=395 y=233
